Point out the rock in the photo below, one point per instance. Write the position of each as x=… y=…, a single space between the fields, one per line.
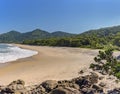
x=117 y=81
x=15 y=86
x=36 y=89
x=20 y=82
x=17 y=82
x=111 y=77
x=49 y=85
x=40 y=88
x=101 y=78
x=82 y=81
x=87 y=91
x=61 y=90
x=93 y=78
x=103 y=73
x=73 y=90
x=81 y=85
x=102 y=84
x=84 y=90
x=81 y=72
x=115 y=91
x=7 y=90
x=2 y=87
x=66 y=83
x=97 y=88
x=76 y=86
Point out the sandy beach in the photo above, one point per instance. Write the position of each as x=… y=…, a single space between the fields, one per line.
x=51 y=63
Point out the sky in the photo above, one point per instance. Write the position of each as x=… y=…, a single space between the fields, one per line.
x=73 y=16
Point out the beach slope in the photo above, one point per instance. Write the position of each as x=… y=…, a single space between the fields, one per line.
x=55 y=63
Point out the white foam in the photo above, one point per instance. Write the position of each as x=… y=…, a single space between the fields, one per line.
x=15 y=53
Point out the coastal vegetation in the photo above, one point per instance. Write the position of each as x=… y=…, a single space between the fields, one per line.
x=96 y=39
x=106 y=63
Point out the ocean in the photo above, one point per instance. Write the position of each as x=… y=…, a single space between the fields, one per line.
x=9 y=53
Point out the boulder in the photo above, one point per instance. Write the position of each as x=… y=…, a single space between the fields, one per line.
x=102 y=84
x=87 y=91
x=49 y=85
x=61 y=90
x=7 y=91
x=17 y=85
x=114 y=91
x=17 y=82
x=81 y=72
x=66 y=83
x=98 y=89
x=93 y=78
x=101 y=77
x=82 y=82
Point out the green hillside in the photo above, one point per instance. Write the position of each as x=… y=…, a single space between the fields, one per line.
x=99 y=38
x=108 y=31
x=14 y=36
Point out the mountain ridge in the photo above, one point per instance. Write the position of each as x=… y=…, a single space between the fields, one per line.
x=15 y=36
x=92 y=38
x=103 y=31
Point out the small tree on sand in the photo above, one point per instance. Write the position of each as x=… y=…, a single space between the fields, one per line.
x=105 y=62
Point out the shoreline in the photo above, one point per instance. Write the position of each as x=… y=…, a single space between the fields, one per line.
x=55 y=63
x=13 y=53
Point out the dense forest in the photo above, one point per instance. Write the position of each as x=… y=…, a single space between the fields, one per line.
x=99 y=38
x=17 y=37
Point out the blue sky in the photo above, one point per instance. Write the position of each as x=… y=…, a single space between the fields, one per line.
x=74 y=16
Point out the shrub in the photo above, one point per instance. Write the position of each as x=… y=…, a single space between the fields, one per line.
x=107 y=63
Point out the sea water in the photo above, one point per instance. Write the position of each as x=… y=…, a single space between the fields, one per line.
x=9 y=53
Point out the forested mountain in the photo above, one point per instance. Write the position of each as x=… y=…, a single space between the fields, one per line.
x=14 y=36
x=61 y=33
x=108 y=31
x=35 y=34
x=99 y=38
x=11 y=36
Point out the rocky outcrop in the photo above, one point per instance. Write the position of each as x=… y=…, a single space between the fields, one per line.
x=80 y=85
x=13 y=87
x=49 y=85
x=115 y=91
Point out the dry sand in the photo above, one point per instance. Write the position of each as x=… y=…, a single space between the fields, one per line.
x=51 y=63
